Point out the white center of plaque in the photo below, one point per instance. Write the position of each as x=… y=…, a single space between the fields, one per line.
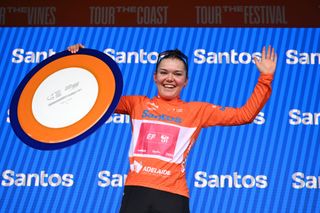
x=65 y=97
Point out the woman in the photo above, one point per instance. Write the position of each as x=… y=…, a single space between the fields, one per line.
x=164 y=129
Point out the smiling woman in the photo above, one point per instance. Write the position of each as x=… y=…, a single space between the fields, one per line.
x=171 y=75
x=164 y=129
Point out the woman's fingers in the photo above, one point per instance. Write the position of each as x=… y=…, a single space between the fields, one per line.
x=263 y=54
x=269 y=52
x=75 y=48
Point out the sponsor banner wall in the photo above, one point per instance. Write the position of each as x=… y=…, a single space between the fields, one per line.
x=271 y=165
x=266 y=13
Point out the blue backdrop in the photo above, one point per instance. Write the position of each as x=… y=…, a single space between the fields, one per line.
x=271 y=165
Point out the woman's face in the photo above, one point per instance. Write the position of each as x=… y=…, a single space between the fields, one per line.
x=170 y=78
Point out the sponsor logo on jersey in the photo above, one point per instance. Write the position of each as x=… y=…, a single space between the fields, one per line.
x=152 y=106
x=138 y=167
x=162 y=117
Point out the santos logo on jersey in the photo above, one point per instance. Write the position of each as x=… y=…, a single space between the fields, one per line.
x=147 y=114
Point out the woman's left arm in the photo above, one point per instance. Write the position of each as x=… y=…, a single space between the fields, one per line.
x=246 y=114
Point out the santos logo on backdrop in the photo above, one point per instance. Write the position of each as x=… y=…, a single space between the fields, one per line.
x=298 y=117
x=202 y=180
x=299 y=180
x=200 y=56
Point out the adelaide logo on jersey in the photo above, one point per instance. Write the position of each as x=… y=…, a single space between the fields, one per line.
x=65 y=98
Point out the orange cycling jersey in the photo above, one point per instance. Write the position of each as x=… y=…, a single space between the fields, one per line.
x=163 y=133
